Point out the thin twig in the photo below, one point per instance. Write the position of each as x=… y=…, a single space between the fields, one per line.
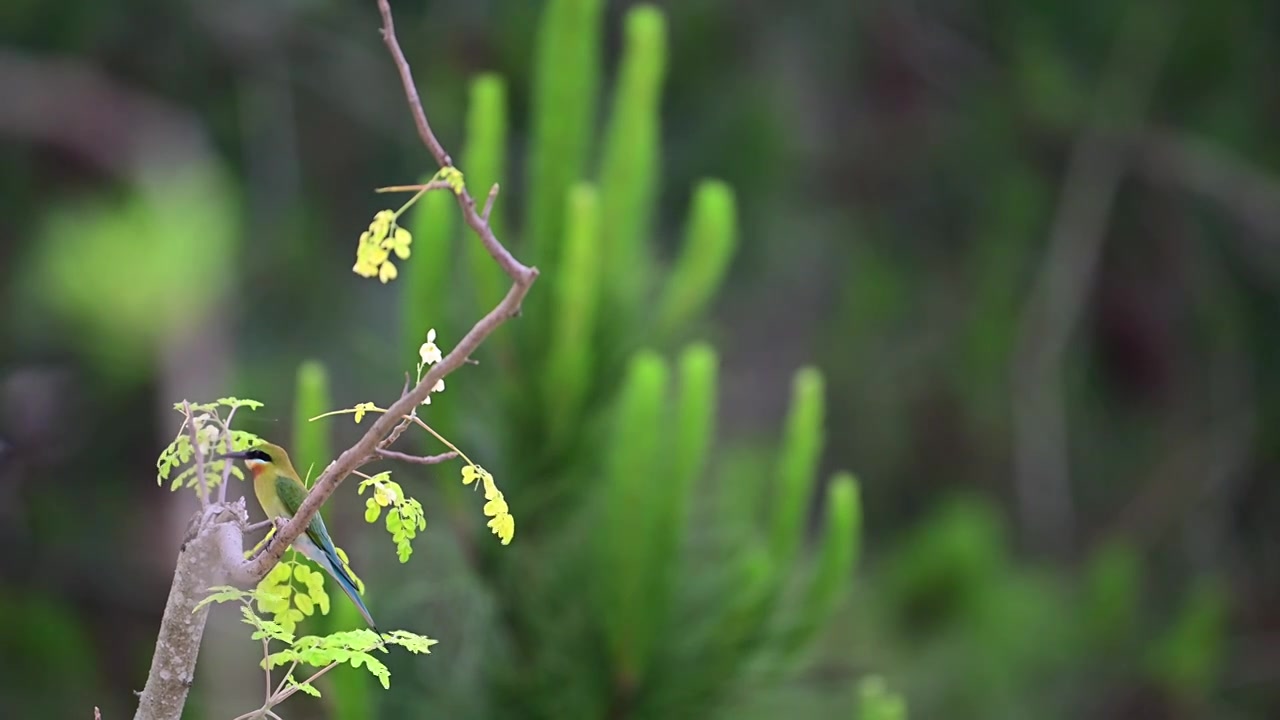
x=417 y=459
x=289 y=673
x=433 y=185
x=226 y=467
x=395 y=434
x=439 y=437
x=522 y=278
x=289 y=692
x=488 y=204
x=195 y=448
x=258 y=525
x=410 y=89
x=404 y=424
x=266 y=669
x=512 y=267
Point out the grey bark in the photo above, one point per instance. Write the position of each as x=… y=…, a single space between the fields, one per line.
x=202 y=562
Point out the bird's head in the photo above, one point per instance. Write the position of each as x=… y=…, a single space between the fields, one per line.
x=261 y=457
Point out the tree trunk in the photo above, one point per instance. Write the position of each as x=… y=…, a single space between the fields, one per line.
x=200 y=565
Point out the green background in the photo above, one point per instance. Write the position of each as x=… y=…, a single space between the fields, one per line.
x=1013 y=264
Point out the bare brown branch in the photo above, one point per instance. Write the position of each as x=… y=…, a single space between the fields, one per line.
x=366 y=449
x=417 y=459
x=519 y=273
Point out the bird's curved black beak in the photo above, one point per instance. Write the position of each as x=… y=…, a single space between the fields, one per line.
x=237 y=455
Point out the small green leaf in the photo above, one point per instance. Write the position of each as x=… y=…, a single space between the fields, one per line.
x=266 y=628
x=224 y=593
x=304 y=603
x=375 y=667
x=373 y=480
x=272 y=605
x=315 y=581
x=280 y=573
x=283 y=657
x=410 y=641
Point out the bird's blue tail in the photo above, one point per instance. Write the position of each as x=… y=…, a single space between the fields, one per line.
x=334 y=565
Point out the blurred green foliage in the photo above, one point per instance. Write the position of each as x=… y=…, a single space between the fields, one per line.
x=604 y=444
x=886 y=174
x=1006 y=636
x=172 y=234
x=876 y=702
x=51 y=635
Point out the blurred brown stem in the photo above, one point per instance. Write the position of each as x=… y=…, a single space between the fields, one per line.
x=1244 y=191
x=1042 y=473
x=129 y=129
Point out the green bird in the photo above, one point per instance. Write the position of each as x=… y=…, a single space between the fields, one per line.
x=280 y=493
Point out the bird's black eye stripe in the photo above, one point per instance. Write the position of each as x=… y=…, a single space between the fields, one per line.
x=258 y=455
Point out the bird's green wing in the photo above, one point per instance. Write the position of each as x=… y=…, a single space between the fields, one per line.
x=292 y=493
